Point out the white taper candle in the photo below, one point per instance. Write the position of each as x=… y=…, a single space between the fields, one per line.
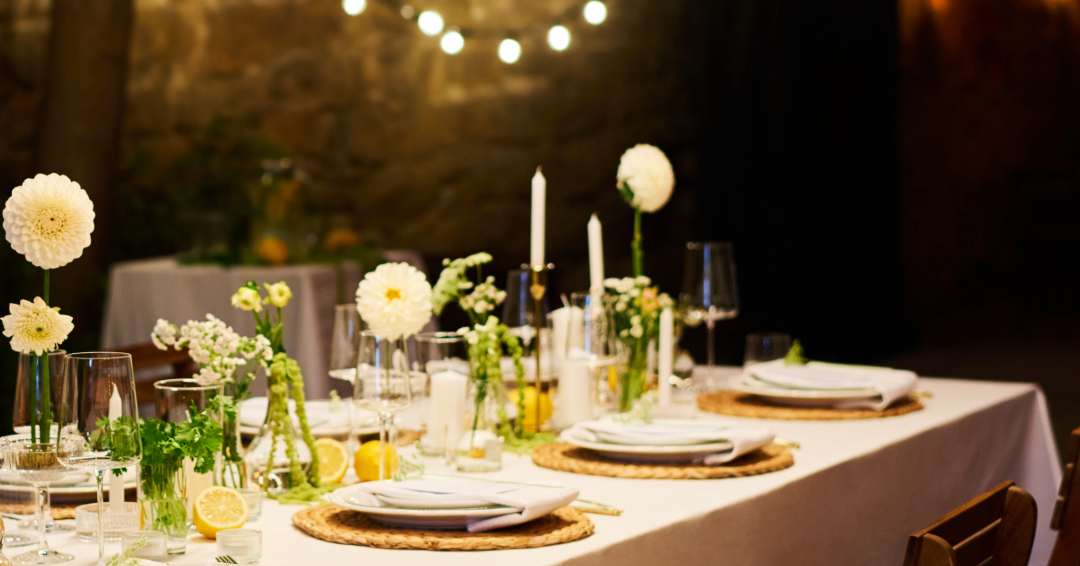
x=116 y=483
x=539 y=198
x=596 y=255
x=666 y=355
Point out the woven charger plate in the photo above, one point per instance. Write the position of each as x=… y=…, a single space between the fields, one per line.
x=58 y=511
x=566 y=457
x=737 y=404
x=333 y=523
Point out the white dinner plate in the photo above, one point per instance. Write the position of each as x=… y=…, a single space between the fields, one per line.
x=427 y=518
x=73 y=477
x=803 y=397
x=651 y=454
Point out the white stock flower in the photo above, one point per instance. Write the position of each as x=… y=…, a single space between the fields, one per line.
x=394 y=300
x=647 y=172
x=207 y=376
x=247 y=299
x=36 y=328
x=164 y=334
x=278 y=294
x=49 y=219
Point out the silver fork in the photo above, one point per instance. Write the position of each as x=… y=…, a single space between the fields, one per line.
x=226 y=559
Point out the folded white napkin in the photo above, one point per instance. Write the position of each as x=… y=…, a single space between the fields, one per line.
x=253 y=413
x=744 y=439
x=891 y=384
x=532 y=501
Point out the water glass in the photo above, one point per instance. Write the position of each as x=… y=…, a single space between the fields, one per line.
x=156 y=547
x=765 y=347
x=243 y=545
x=254 y=499
x=709 y=288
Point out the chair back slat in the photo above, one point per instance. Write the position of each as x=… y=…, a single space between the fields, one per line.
x=996 y=528
x=1066 y=519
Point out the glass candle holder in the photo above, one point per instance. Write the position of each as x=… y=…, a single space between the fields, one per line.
x=156 y=547
x=243 y=545
x=254 y=499
x=116 y=522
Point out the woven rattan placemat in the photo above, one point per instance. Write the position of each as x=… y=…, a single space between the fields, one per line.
x=569 y=458
x=738 y=404
x=58 y=511
x=333 y=523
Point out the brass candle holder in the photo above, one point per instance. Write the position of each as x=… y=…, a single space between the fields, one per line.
x=538 y=281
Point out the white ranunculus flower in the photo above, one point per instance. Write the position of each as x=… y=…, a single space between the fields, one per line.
x=247 y=299
x=394 y=300
x=49 y=220
x=36 y=328
x=278 y=294
x=647 y=171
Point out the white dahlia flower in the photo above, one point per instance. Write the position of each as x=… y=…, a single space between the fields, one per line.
x=36 y=328
x=49 y=220
x=394 y=300
x=646 y=171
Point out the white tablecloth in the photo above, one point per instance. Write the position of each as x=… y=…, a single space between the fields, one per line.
x=140 y=292
x=856 y=491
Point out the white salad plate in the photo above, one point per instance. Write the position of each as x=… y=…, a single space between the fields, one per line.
x=802 y=397
x=647 y=453
x=425 y=518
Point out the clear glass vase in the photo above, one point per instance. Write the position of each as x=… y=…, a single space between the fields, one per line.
x=267 y=459
x=632 y=370
x=480 y=448
x=163 y=504
x=230 y=470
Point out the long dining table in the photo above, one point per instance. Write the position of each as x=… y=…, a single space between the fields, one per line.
x=857 y=489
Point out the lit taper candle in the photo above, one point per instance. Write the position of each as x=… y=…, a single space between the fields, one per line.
x=539 y=196
x=596 y=255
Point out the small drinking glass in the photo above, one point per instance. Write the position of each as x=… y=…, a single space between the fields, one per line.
x=99 y=427
x=254 y=499
x=156 y=547
x=709 y=286
x=243 y=545
x=444 y=356
x=582 y=336
x=765 y=347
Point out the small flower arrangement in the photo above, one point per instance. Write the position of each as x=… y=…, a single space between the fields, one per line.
x=645 y=181
x=635 y=307
x=217 y=348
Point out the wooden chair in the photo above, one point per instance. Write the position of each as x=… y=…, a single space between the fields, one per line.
x=147 y=356
x=1066 y=518
x=996 y=528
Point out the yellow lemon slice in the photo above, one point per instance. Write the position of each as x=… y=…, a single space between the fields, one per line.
x=367 y=461
x=219 y=508
x=333 y=459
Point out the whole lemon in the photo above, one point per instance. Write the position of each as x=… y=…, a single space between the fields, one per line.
x=530 y=407
x=366 y=461
x=273 y=250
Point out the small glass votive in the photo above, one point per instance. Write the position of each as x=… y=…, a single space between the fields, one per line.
x=156 y=547
x=765 y=347
x=243 y=545
x=254 y=499
x=116 y=523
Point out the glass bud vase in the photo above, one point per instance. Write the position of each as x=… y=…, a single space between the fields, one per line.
x=480 y=448
x=267 y=459
x=162 y=505
x=230 y=469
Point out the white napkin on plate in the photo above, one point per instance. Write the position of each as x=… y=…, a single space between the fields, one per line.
x=891 y=384
x=532 y=500
x=744 y=439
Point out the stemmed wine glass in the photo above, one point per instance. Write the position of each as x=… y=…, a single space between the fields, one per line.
x=33 y=458
x=99 y=427
x=519 y=308
x=709 y=287
x=383 y=383
x=344 y=347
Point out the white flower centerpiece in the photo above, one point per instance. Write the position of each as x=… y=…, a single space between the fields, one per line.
x=645 y=181
x=47 y=219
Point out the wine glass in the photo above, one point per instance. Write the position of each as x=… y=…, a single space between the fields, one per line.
x=383 y=383
x=32 y=457
x=344 y=347
x=709 y=289
x=519 y=308
x=99 y=427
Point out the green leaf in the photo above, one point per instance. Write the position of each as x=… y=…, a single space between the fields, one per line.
x=795 y=355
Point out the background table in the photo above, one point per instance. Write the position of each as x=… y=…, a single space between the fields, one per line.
x=856 y=491
x=141 y=292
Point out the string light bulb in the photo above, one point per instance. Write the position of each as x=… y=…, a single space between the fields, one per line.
x=509 y=51
x=559 y=38
x=595 y=12
x=430 y=22
x=452 y=42
x=354 y=7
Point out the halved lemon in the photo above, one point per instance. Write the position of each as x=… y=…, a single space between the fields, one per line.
x=218 y=508
x=333 y=459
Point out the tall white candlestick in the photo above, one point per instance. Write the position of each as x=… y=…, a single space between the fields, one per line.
x=666 y=355
x=596 y=255
x=116 y=483
x=539 y=197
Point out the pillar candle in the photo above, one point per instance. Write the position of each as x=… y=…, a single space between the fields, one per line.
x=596 y=255
x=666 y=355
x=446 y=410
x=116 y=483
x=539 y=196
x=575 y=392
